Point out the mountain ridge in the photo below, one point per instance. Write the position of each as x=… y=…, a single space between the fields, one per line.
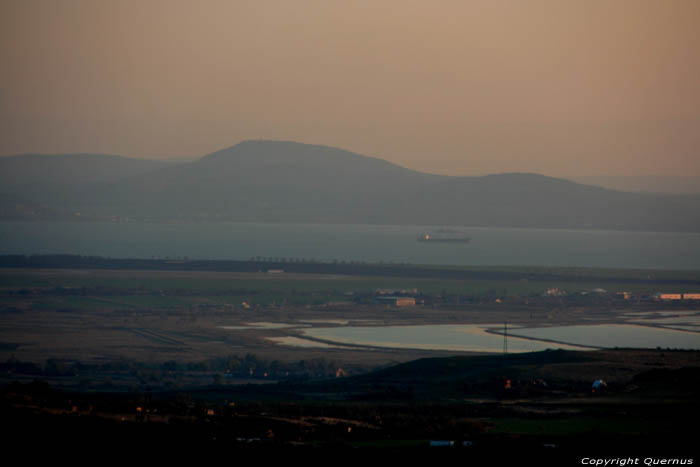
x=285 y=181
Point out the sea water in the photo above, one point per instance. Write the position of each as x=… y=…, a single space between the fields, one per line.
x=354 y=242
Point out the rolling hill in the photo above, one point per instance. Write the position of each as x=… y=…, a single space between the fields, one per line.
x=283 y=181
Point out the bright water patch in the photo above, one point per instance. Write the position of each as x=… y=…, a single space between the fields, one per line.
x=616 y=335
x=462 y=337
x=298 y=342
x=264 y=325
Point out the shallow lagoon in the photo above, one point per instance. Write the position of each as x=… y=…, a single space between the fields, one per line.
x=298 y=342
x=474 y=338
x=463 y=337
x=616 y=335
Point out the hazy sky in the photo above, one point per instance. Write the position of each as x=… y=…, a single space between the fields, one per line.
x=559 y=87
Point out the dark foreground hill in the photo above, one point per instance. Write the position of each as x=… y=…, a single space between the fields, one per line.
x=478 y=410
x=292 y=182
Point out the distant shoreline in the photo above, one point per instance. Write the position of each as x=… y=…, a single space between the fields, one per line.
x=518 y=273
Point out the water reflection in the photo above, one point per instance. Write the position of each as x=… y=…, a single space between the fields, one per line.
x=463 y=337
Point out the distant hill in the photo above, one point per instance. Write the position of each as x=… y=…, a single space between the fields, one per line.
x=646 y=183
x=71 y=168
x=292 y=182
x=60 y=183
